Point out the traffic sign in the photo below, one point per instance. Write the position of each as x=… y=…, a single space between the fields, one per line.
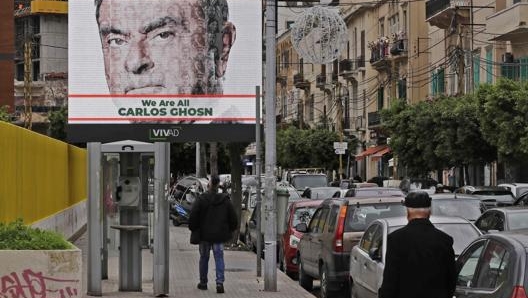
x=340 y=145
x=340 y=151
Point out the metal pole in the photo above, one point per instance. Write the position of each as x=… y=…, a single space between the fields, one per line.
x=270 y=237
x=161 y=218
x=198 y=161
x=258 y=172
x=94 y=220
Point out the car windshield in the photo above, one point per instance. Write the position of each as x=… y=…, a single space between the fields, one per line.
x=463 y=234
x=303 y=181
x=303 y=215
x=518 y=220
x=468 y=209
x=358 y=218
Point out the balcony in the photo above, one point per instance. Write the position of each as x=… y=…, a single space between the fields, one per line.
x=348 y=68
x=440 y=13
x=379 y=54
x=300 y=82
x=398 y=49
x=510 y=22
x=374 y=119
x=320 y=81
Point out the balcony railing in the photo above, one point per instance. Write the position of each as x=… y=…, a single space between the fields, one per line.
x=433 y=7
x=300 y=82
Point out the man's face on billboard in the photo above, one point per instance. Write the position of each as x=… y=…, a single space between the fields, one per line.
x=156 y=47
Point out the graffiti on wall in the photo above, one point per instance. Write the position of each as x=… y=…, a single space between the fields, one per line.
x=36 y=285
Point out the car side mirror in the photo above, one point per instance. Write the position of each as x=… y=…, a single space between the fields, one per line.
x=374 y=254
x=302 y=227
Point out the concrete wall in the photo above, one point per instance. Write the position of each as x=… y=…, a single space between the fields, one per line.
x=68 y=222
x=54 y=43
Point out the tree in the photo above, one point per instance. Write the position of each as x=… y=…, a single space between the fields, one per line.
x=4 y=114
x=503 y=114
x=302 y=148
x=437 y=134
x=57 y=123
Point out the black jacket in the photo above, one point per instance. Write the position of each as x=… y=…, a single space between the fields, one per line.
x=420 y=263
x=214 y=216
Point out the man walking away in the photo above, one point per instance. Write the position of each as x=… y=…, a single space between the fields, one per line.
x=420 y=261
x=214 y=217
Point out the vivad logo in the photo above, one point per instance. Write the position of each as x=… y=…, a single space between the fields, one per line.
x=163 y=134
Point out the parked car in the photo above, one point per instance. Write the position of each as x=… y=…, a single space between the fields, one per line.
x=453 y=204
x=503 y=219
x=494 y=266
x=298 y=212
x=250 y=229
x=521 y=200
x=517 y=189
x=302 y=181
x=336 y=226
x=323 y=192
x=366 y=192
x=491 y=196
x=367 y=259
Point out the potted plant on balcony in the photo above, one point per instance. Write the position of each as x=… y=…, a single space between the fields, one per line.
x=37 y=263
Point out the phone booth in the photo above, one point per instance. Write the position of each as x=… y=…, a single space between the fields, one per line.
x=127 y=196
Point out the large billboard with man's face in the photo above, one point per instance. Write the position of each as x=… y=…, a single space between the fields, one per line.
x=163 y=70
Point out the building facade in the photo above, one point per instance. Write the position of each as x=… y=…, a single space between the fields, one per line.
x=6 y=54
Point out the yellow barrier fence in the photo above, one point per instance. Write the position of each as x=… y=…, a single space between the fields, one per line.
x=39 y=176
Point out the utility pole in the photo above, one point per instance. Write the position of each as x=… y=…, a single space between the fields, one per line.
x=270 y=236
x=28 y=99
x=339 y=125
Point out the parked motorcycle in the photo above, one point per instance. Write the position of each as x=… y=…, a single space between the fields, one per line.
x=181 y=205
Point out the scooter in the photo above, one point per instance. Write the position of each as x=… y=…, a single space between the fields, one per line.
x=180 y=208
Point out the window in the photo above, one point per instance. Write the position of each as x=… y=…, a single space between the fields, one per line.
x=476 y=70
x=368 y=238
x=468 y=264
x=489 y=66
x=311 y=108
x=523 y=68
x=493 y=264
x=380 y=98
x=402 y=88
x=332 y=219
x=394 y=24
x=322 y=220
x=437 y=82
x=314 y=223
x=381 y=28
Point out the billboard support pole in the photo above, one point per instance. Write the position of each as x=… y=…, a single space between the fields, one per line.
x=258 y=173
x=270 y=236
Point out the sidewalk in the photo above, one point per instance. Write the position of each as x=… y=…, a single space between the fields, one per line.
x=240 y=273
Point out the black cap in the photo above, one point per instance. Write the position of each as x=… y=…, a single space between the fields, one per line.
x=418 y=199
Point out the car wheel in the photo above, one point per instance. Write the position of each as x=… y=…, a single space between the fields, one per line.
x=304 y=280
x=325 y=284
x=249 y=242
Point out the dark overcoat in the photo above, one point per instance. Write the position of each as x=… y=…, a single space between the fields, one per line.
x=419 y=263
x=214 y=216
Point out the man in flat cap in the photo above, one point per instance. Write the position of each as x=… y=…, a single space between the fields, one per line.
x=420 y=261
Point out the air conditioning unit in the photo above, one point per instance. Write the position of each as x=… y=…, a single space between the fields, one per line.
x=507 y=57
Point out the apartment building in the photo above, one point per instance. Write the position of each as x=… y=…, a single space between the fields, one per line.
x=6 y=54
x=41 y=59
x=385 y=58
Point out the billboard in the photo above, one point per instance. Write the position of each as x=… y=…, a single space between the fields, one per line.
x=163 y=70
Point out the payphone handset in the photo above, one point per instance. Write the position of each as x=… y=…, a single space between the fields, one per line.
x=129 y=191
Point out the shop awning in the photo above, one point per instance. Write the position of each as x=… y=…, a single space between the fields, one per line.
x=370 y=151
x=379 y=154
